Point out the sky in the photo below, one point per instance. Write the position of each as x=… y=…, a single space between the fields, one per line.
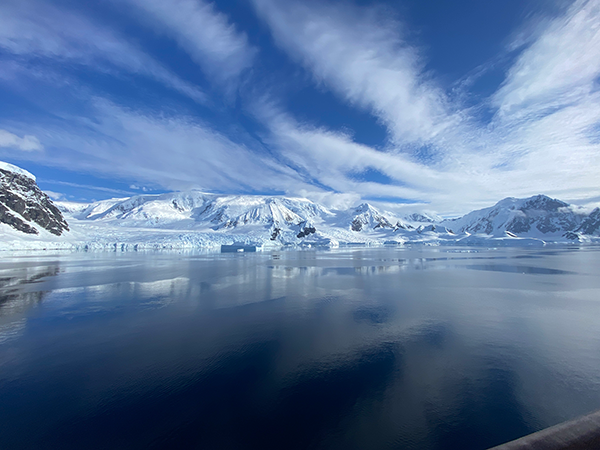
x=423 y=106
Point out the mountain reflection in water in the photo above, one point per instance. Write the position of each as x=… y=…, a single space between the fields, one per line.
x=363 y=348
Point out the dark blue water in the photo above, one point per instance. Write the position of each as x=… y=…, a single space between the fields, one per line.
x=361 y=349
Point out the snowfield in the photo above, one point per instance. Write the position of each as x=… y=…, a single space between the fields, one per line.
x=196 y=219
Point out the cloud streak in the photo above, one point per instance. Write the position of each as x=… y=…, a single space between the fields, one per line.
x=205 y=34
x=559 y=68
x=362 y=56
x=175 y=152
x=33 y=30
x=545 y=126
x=26 y=143
x=540 y=133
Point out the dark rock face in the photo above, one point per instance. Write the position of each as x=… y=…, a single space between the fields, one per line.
x=547 y=214
x=18 y=224
x=306 y=231
x=519 y=225
x=365 y=215
x=357 y=225
x=404 y=226
x=536 y=214
x=21 y=198
x=591 y=224
x=275 y=234
x=571 y=236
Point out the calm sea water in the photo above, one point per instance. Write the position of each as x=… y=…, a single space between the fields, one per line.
x=360 y=349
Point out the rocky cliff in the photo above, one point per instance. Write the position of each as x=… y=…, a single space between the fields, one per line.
x=24 y=206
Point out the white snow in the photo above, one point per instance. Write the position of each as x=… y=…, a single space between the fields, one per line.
x=11 y=168
x=195 y=219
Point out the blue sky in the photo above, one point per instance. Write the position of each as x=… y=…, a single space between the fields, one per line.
x=436 y=106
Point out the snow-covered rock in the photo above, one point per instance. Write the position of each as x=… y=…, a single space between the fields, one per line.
x=539 y=216
x=14 y=169
x=24 y=207
x=364 y=217
x=421 y=218
x=591 y=224
x=196 y=219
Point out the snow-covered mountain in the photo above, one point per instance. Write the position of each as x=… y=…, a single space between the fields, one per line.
x=538 y=216
x=364 y=217
x=199 y=210
x=421 y=218
x=196 y=219
x=24 y=207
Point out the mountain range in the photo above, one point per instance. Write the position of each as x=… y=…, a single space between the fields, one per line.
x=195 y=219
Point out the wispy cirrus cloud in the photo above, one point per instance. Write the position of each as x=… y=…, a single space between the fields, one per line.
x=206 y=34
x=26 y=143
x=540 y=132
x=546 y=124
x=175 y=152
x=559 y=67
x=362 y=55
x=37 y=30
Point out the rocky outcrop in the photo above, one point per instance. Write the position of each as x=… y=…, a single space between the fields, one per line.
x=538 y=216
x=591 y=224
x=306 y=231
x=25 y=207
x=365 y=217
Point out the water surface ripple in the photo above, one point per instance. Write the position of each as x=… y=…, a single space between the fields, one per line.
x=390 y=348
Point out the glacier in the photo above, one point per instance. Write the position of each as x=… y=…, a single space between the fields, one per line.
x=199 y=220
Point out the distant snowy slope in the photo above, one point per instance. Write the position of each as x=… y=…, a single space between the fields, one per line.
x=198 y=210
x=535 y=216
x=421 y=218
x=196 y=219
x=364 y=217
x=232 y=212
x=289 y=219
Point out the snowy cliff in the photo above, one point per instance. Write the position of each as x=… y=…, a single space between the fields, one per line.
x=539 y=216
x=24 y=207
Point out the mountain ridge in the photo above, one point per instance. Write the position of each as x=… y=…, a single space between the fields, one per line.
x=197 y=219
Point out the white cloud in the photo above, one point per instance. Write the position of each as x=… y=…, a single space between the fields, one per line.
x=560 y=67
x=363 y=57
x=205 y=33
x=33 y=29
x=56 y=196
x=545 y=137
x=332 y=159
x=175 y=152
x=332 y=200
x=86 y=187
x=27 y=143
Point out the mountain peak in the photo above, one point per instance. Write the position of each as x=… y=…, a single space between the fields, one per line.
x=12 y=168
x=543 y=202
x=536 y=215
x=23 y=206
x=364 y=207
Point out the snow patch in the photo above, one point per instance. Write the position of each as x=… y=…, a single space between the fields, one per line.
x=12 y=168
